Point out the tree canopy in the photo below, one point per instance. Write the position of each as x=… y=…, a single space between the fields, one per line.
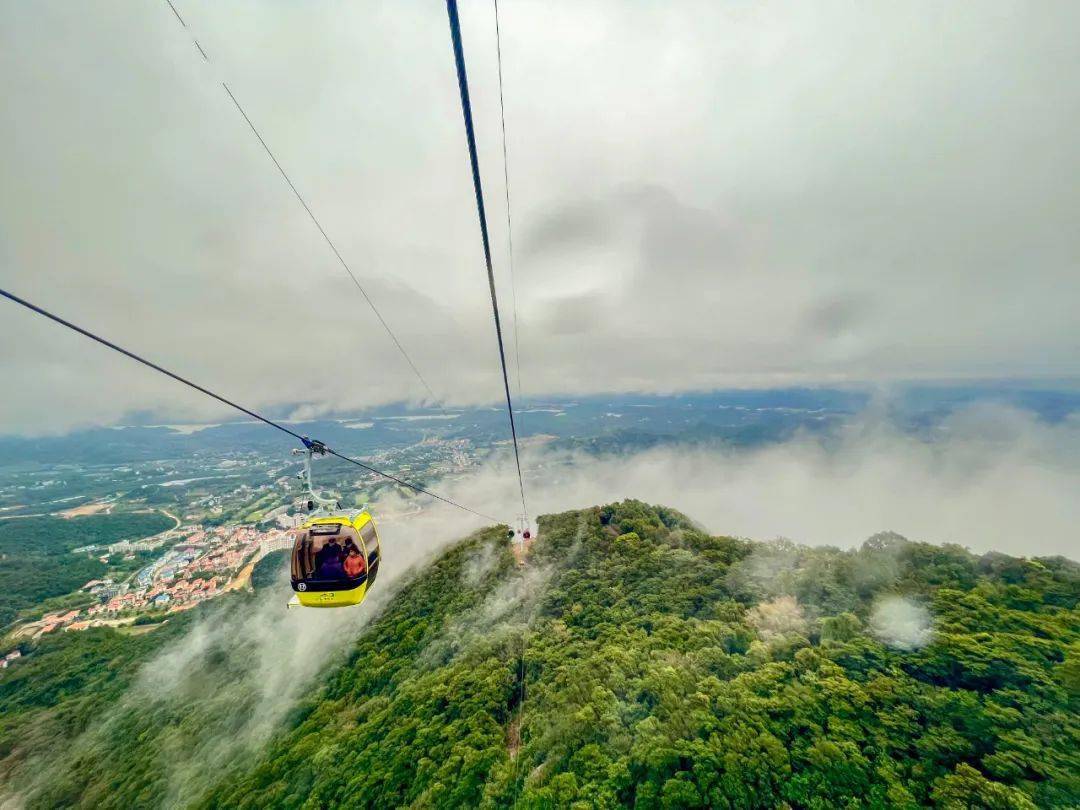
x=638 y=661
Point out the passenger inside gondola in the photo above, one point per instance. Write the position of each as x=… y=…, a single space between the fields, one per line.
x=328 y=561
x=334 y=558
x=354 y=562
x=334 y=562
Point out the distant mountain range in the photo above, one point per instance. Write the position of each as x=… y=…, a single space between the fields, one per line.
x=740 y=417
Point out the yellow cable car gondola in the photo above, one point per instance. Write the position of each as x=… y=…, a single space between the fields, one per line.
x=335 y=560
x=336 y=554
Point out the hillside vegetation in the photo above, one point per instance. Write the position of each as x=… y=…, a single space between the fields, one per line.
x=668 y=668
x=662 y=667
x=35 y=558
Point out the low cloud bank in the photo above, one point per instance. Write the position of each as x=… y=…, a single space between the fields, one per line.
x=991 y=478
x=901 y=623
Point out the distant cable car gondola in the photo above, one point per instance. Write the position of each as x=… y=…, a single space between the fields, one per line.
x=522 y=529
x=336 y=554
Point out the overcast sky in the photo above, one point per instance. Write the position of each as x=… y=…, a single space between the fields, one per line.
x=705 y=195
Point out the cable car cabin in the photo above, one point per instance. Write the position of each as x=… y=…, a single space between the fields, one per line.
x=335 y=560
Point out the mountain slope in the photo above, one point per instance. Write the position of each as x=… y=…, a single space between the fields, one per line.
x=667 y=668
x=662 y=667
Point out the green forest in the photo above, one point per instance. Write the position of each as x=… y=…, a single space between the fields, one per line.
x=635 y=661
x=35 y=558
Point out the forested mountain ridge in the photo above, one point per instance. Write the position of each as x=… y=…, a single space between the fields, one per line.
x=668 y=668
x=662 y=667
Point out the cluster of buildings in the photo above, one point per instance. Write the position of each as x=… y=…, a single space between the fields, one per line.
x=446 y=455
x=223 y=549
x=125 y=547
x=53 y=621
x=431 y=455
x=197 y=568
x=174 y=595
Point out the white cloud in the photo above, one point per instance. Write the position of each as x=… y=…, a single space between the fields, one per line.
x=705 y=195
x=901 y=623
x=995 y=479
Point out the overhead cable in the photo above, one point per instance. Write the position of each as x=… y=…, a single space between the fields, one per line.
x=253 y=414
x=506 y=187
x=517 y=369
x=314 y=219
x=470 y=136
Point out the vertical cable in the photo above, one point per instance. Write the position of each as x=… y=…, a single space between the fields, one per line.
x=470 y=137
x=506 y=186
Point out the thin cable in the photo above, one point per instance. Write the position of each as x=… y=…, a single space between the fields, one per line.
x=177 y=13
x=150 y=364
x=410 y=485
x=145 y=362
x=506 y=186
x=517 y=368
x=315 y=219
x=193 y=39
x=470 y=136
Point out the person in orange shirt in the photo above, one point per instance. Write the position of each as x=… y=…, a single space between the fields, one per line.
x=354 y=564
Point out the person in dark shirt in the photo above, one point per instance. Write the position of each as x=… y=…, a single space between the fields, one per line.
x=328 y=561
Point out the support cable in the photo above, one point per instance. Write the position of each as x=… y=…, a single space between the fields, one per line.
x=254 y=415
x=466 y=109
x=470 y=136
x=314 y=219
x=517 y=368
x=506 y=186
